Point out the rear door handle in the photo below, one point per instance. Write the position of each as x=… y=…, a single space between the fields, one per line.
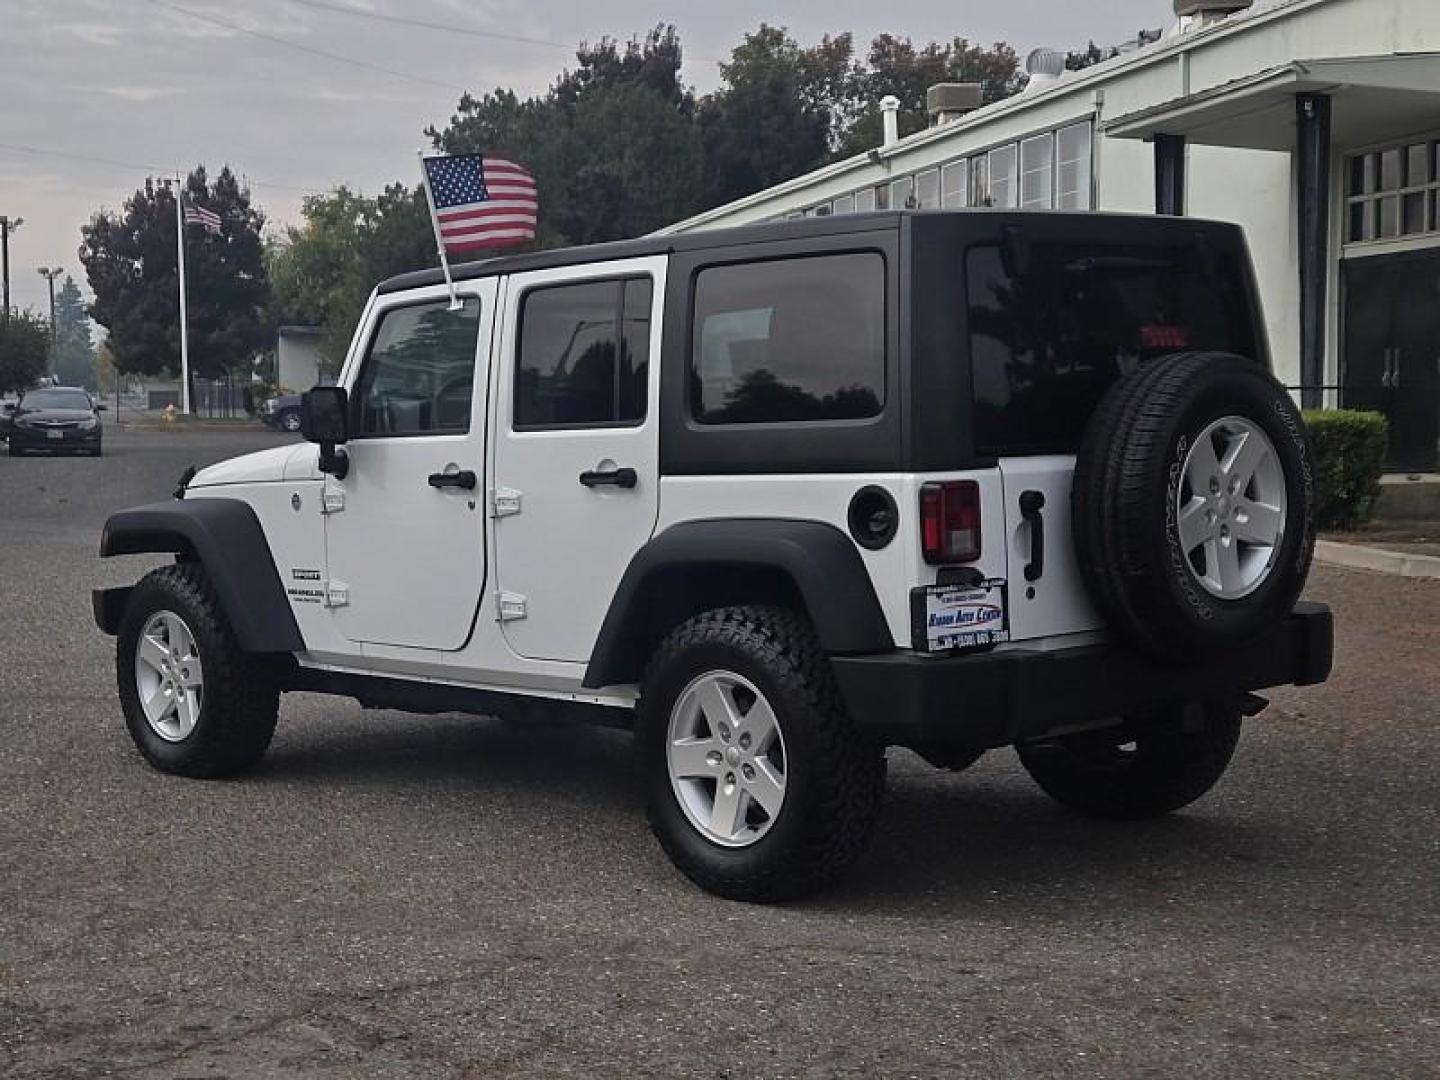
x=461 y=478
x=625 y=478
x=1031 y=503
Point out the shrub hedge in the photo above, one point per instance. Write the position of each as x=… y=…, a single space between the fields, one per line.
x=1349 y=455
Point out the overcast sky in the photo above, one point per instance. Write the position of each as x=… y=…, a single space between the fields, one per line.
x=143 y=84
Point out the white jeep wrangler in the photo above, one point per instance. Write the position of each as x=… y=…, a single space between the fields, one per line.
x=780 y=497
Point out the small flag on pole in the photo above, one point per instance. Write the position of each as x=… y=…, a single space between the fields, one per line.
x=208 y=219
x=480 y=202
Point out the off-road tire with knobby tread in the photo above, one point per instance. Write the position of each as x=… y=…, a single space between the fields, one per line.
x=1177 y=757
x=1126 y=472
x=835 y=776
x=241 y=700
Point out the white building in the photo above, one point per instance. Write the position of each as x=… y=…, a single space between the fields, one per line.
x=297 y=358
x=1315 y=124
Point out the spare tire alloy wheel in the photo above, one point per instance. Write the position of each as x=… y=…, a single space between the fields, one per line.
x=1230 y=510
x=169 y=677
x=1193 y=505
x=726 y=756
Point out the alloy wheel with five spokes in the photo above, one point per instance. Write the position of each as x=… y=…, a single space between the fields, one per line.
x=169 y=676
x=726 y=758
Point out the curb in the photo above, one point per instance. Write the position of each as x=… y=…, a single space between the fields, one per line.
x=1358 y=557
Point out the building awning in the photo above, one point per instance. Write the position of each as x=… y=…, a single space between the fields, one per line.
x=1374 y=98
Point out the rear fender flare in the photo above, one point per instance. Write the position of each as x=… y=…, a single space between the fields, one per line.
x=822 y=564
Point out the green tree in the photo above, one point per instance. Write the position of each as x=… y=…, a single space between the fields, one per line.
x=775 y=113
x=130 y=261
x=24 y=350
x=897 y=66
x=322 y=271
x=73 y=362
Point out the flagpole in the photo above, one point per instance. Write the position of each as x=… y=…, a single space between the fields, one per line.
x=184 y=331
x=439 y=241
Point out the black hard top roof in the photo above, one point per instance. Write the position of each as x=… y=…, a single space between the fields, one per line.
x=647 y=245
x=776 y=230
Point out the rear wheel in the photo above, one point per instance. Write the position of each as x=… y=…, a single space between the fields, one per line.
x=289 y=420
x=194 y=703
x=1143 y=768
x=757 y=784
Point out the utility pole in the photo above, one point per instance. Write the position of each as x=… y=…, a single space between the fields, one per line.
x=7 y=226
x=50 y=273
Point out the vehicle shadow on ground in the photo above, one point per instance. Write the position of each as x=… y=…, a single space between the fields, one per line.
x=971 y=839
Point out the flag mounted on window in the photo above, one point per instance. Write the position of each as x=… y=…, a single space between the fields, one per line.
x=207 y=219
x=479 y=202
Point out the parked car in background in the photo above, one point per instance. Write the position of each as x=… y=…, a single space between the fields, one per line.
x=55 y=420
x=282 y=412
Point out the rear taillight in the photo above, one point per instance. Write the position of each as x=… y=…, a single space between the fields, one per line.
x=950 y=521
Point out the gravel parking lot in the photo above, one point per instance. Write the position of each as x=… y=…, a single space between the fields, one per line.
x=391 y=896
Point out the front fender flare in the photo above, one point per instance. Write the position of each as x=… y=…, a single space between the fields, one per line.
x=226 y=538
x=820 y=561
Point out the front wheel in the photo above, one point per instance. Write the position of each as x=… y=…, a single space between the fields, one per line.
x=1143 y=768
x=290 y=420
x=757 y=784
x=194 y=703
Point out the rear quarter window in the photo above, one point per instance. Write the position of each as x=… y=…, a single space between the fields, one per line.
x=789 y=340
x=1049 y=337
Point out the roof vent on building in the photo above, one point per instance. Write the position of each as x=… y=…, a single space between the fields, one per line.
x=1205 y=12
x=1045 y=68
x=950 y=101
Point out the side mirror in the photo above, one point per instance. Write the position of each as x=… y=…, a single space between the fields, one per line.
x=325 y=419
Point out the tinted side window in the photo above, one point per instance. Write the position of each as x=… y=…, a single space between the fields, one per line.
x=1047 y=340
x=788 y=340
x=419 y=374
x=584 y=355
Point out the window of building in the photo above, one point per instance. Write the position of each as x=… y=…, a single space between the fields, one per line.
x=979 y=181
x=419 y=373
x=882 y=196
x=927 y=189
x=1004 y=189
x=902 y=193
x=865 y=201
x=1393 y=193
x=845 y=204
x=955 y=184
x=790 y=340
x=1073 y=179
x=1037 y=172
x=584 y=355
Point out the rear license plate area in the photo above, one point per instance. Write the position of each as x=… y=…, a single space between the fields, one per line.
x=946 y=618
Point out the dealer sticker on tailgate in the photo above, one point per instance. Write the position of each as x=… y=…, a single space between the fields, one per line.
x=961 y=616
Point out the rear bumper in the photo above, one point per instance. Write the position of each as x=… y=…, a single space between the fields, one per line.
x=998 y=698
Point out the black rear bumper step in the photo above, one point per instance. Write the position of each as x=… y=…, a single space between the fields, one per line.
x=998 y=698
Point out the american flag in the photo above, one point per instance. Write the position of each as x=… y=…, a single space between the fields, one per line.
x=208 y=219
x=481 y=202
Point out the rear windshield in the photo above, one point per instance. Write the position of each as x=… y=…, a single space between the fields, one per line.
x=1051 y=327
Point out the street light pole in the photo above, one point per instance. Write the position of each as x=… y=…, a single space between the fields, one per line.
x=50 y=273
x=7 y=226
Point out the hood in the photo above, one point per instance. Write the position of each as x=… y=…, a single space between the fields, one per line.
x=260 y=467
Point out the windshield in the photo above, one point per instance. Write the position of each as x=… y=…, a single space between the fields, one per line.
x=56 y=399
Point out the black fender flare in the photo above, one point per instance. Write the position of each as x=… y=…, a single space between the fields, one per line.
x=819 y=560
x=226 y=538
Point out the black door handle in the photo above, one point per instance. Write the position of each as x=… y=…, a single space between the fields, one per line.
x=625 y=478
x=462 y=479
x=1031 y=503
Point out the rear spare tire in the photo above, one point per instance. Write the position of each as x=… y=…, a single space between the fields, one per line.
x=1193 y=505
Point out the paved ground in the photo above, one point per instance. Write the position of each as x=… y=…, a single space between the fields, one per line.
x=397 y=897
